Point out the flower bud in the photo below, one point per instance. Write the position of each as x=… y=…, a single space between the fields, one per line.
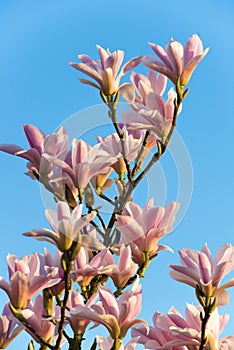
x=120 y=167
x=19 y=290
x=48 y=301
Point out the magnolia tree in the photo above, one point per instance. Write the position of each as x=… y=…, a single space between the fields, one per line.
x=93 y=277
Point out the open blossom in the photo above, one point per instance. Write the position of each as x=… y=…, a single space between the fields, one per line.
x=106 y=71
x=66 y=227
x=116 y=315
x=112 y=145
x=84 y=162
x=198 y=268
x=85 y=269
x=36 y=317
x=26 y=279
x=139 y=133
x=48 y=260
x=77 y=323
x=146 y=84
x=55 y=144
x=145 y=227
x=8 y=328
x=177 y=61
x=172 y=331
x=152 y=113
x=121 y=273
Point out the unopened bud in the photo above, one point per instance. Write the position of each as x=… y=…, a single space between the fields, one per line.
x=120 y=167
x=70 y=197
x=89 y=198
x=48 y=301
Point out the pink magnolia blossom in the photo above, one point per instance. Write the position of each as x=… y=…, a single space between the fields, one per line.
x=177 y=61
x=9 y=329
x=77 y=323
x=116 y=315
x=84 y=162
x=144 y=227
x=106 y=71
x=152 y=113
x=140 y=134
x=26 y=279
x=144 y=85
x=85 y=269
x=112 y=145
x=91 y=240
x=172 y=331
x=198 y=268
x=55 y=144
x=66 y=226
x=52 y=262
x=121 y=273
x=35 y=316
x=154 y=337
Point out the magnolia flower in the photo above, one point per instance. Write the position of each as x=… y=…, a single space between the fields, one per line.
x=85 y=269
x=8 y=328
x=66 y=227
x=139 y=133
x=77 y=323
x=176 y=61
x=172 y=331
x=48 y=260
x=84 y=162
x=144 y=227
x=55 y=144
x=121 y=273
x=152 y=113
x=144 y=85
x=112 y=145
x=116 y=315
x=198 y=269
x=35 y=316
x=106 y=71
x=26 y=279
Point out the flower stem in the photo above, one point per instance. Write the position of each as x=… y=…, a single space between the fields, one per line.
x=116 y=345
x=209 y=307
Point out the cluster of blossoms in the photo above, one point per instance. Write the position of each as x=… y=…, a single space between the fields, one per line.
x=94 y=275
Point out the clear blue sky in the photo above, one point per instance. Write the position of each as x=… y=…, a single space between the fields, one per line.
x=38 y=38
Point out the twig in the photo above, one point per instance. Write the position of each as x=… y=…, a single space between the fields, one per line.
x=140 y=154
x=121 y=137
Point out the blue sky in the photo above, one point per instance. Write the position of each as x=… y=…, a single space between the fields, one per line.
x=37 y=86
